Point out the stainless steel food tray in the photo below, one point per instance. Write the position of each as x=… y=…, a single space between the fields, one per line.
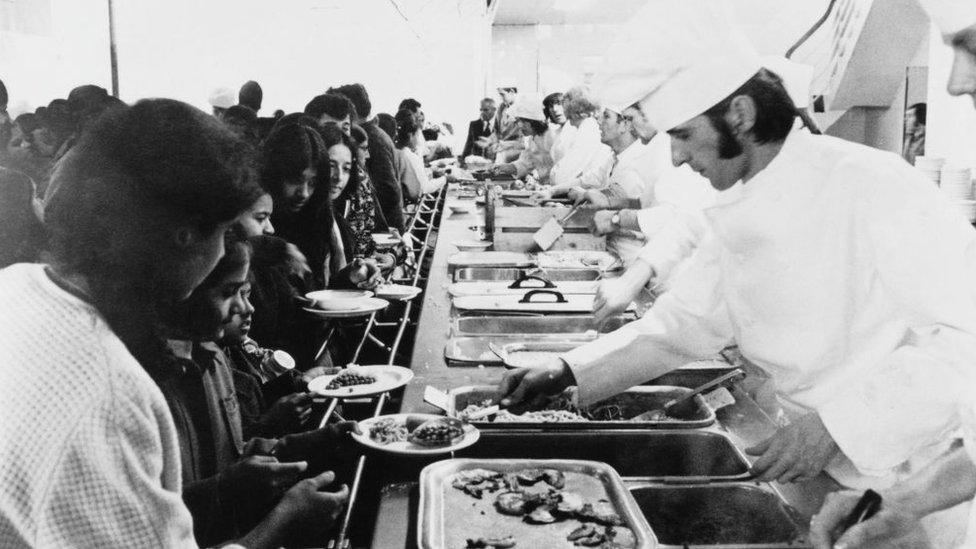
x=720 y=516
x=633 y=401
x=447 y=516
x=578 y=259
x=493 y=274
x=472 y=351
x=490 y=259
x=556 y=326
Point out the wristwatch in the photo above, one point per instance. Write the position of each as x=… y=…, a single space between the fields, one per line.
x=615 y=220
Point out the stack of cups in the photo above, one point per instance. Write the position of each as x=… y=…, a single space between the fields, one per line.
x=931 y=167
x=957 y=184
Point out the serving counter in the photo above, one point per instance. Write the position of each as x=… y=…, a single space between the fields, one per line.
x=387 y=503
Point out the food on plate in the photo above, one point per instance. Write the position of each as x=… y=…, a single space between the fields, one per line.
x=540 y=515
x=601 y=511
x=484 y=543
x=570 y=503
x=476 y=482
x=348 y=378
x=388 y=430
x=554 y=478
x=584 y=531
x=622 y=536
x=530 y=476
x=436 y=432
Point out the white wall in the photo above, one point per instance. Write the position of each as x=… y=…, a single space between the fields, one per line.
x=48 y=47
x=436 y=51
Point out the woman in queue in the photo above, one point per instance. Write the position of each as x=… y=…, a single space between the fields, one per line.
x=131 y=231
x=408 y=161
x=580 y=159
x=296 y=171
x=536 y=158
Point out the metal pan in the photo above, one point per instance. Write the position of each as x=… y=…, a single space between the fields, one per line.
x=474 y=351
x=534 y=301
x=577 y=259
x=630 y=403
x=448 y=517
x=483 y=274
x=490 y=259
x=726 y=516
x=533 y=326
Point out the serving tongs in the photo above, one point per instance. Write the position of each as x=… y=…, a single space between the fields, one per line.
x=676 y=403
x=438 y=398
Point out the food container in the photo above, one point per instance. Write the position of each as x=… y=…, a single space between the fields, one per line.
x=639 y=454
x=490 y=259
x=338 y=300
x=447 y=517
x=573 y=259
x=727 y=516
x=519 y=287
x=533 y=301
x=628 y=404
x=559 y=326
x=474 y=351
x=481 y=274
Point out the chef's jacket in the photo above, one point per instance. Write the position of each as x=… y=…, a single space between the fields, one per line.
x=536 y=156
x=842 y=272
x=671 y=199
x=581 y=158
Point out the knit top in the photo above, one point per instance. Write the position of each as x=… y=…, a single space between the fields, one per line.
x=88 y=452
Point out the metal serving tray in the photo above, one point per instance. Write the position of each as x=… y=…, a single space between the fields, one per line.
x=447 y=516
x=631 y=402
x=727 y=516
x=639 y=454
x=488 y=274
x=561 y=327
x=578 y=259
x=474 y=351
x=490 y=259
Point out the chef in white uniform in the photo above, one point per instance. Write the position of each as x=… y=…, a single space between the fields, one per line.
x=950 y=480
x=837 y=268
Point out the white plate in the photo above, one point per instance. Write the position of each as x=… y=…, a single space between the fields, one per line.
x=387 y=379
x=364 y=307
x=397 y=292
x=471 y=435
x=471 y=245
x=339 y=300
x=385 y=240
x=461 y=208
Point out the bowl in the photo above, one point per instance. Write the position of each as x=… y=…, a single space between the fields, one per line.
x=338 y=300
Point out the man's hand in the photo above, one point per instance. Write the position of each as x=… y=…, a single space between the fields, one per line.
x=262 y=474
x=522 y=388
x=882 y=530
x=593 y=198
x=307 y=507
x=502 y=169
x=576 y=194
x=385 y=261
x=799 y=451
x=613 y=296
x=365 y=273
x=289 y=412
x=601 y=224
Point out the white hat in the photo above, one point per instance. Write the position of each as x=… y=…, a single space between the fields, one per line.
x=223 y=98
x=951 y=16
x=797 y=78
x=505 y=83
x=696 y=57
x=528 y=106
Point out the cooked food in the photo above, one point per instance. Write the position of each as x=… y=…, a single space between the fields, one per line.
x=349 y=378
x=622 y=537
x=530 y=476
x=554 y=478
x=510 y=503
x=388 y=430
x=570 y=503
x=476 y=482
x=540 y=515
x=436 y=432
x=622 y=407
x=584 y=531
x=484 y=543
x=601 y=511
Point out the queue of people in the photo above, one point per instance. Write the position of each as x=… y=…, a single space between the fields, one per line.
x=151 y=314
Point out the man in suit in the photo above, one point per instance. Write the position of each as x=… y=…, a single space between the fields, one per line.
x=480 y=130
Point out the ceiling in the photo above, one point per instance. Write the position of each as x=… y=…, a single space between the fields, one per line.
x=774 y=25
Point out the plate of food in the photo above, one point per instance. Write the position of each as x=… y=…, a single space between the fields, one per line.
x=416 y=434
x=385 y=241
x=360 y=381
x=338 y=300
x=397 y=292
x=362 y=307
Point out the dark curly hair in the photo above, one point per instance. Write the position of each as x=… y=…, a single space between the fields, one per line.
x=136 y=175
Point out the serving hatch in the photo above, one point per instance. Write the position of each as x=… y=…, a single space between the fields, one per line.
x=449 y=516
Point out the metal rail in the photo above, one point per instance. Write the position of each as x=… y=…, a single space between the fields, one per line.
x=430 y=206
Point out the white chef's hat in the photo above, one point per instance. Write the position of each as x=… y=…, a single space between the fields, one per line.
x=505 y=83
x=528 y=106
x=223 y=98
x=797 y=78
x=695 y=57
x=951 y=16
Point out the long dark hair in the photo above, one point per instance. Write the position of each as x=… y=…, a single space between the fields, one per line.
x=135 y=176
x=332 y=136
x=406 y=126
x=285 y=154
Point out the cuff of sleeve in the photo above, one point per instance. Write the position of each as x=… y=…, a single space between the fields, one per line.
x=661 y=256
x=838 y=416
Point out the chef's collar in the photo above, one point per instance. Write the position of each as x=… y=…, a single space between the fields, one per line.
x=634 y=149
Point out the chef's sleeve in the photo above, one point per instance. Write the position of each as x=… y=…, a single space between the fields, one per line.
x=689 y=323
x=673 y=243
x=924 y=257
